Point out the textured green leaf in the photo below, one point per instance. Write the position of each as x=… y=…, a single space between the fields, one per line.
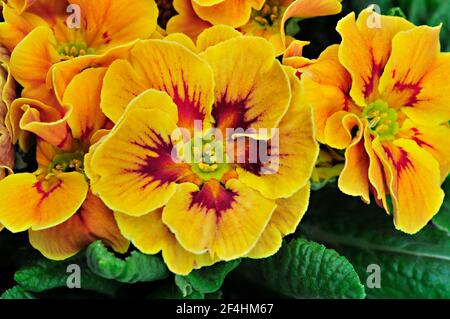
x=411 y=266
x=442 y=219
x=16 y=292
x=43 y=275
x=135 y=268
x=305 y=269
x=208 y=279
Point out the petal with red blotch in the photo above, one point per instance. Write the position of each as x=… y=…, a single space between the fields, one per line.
x=414 y=183
x=47 y=122
x=306 y=9
x=83 y=97
x=402 y=81
x=165 y=66
x=354 y=179
x=365 y=49
x=245 y=87
x=48 y=202
x=31 y=61
x=431 y=139
x=224 y=221
x=287 y=160
x=234 y=13
x=150 y=236
x=110 y=23
x=133 y=166
x=284 y=221
x=93 y=221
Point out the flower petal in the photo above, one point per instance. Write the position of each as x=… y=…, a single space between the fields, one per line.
x=47 y=204
x=110 y=23
x=365 y=49
x=414 y=183
x=401 y=83
x=187 y=21
x=165 y=66
x=83 y=97
x=284 y=221
x=150 y=236
x=226 y=221
x=245 y=87
x=93 y=221
x=215 y=35
x=292 y=153
x=134 y=169
x=234 y=13
x=431 y=139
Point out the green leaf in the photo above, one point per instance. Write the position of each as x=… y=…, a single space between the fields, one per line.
x=411 y=266
x=305 y=269
x=396 y=12
x=172 y=291
x=207 y=280
x=442 y=219
x=135 y=268
x=43 y=275
x=16 y=292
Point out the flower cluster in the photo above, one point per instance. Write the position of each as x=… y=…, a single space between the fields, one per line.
x=191 y=139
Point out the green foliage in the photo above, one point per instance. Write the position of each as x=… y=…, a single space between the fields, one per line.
x=16 y=292
x=305 y=269
x=206 y=280
x=135 y=268
x=411 y=266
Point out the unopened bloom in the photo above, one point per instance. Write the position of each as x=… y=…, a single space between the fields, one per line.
x=198 y=213
x=95 y=30
x=54 y=203
x=382 y=96
x=252 y=17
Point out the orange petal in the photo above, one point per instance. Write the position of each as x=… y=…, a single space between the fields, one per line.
x=224 y=221
x=93 y=221
x=414 y=181
x=49 y=202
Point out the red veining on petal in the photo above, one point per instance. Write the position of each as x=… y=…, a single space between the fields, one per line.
x=161 y=168
x=106 y=37
x=418 y=140
x=46 y=194
x=213 y=196
x=400 y=160
x=414 y=90
x=371 y=82
x=232 y=114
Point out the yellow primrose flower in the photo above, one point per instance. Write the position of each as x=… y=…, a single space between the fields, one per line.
x=382 y=96
x=252 y=17
x=55 y=204
x=94 y=31
x=201 y=211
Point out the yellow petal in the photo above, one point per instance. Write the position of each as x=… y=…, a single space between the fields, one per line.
x=401 y=83
x=234 y=13
x=109 y=23
x=414 y=183
x=293 y=152
x=134 y=169
x=365 y=49
x=215 y=35
x=431 y=139
x=165 y=66
x=150 y=236
x=225 y=222
x=284 y=221
x=83 y=97
x=246 y=86
x=92 y=222
x=48 y=203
